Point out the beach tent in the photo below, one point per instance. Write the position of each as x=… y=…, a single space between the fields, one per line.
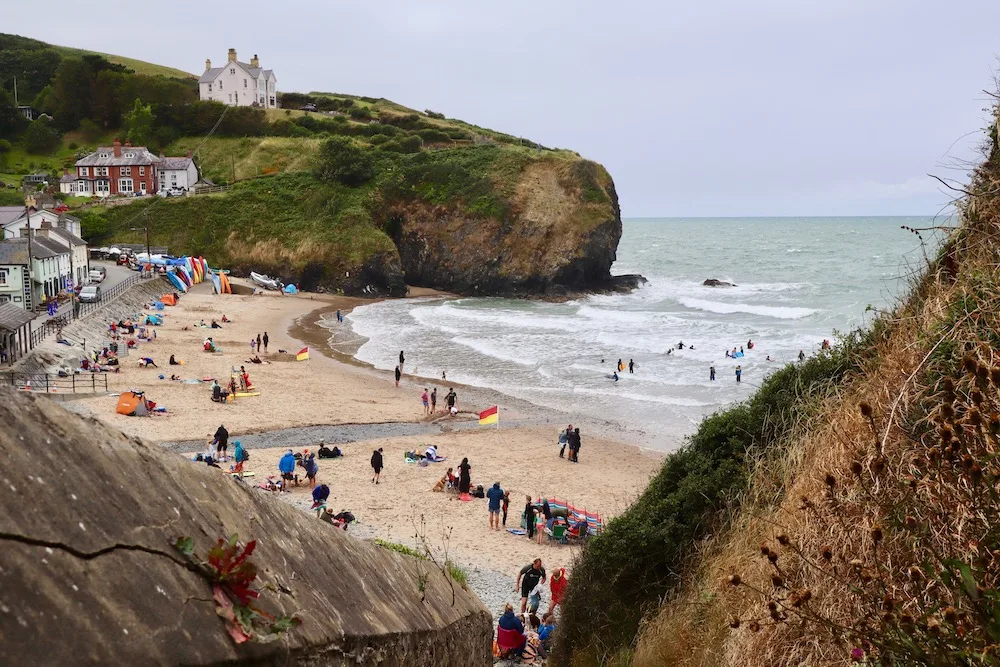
x=290 y=289
x=560 y=507
x=169 y=299
x=134 y=404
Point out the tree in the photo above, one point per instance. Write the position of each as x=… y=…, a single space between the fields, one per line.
x=11 y=120
x=5 y=147
x=41 y=137
x=342 y=161
x=139 y=123
x=72 y=97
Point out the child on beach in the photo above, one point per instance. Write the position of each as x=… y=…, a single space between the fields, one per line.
x=399 y=374
x=253 y=346
x=539 y=531
x=377 y=464
x=426 y=400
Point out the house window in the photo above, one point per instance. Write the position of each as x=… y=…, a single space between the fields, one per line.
x=125 y=185
x=102 y=186
x=104 y=155
x=126 y=171
x=230 y=97
x=210 y=87
x=244 y=83
x=142 y=171
x=100 y=171
x=220 y=85
x=3 y=277
x=161 y=175
x=129 y=154
x=232 y=70
x=83 y=171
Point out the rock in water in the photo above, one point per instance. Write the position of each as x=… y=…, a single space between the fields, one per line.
x=89 y=574
x=712 y=282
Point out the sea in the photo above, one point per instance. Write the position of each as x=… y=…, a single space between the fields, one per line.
x=796 y=282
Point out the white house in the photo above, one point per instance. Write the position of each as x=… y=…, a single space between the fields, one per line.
x=14 y=273
x=239 y=84
x=14 y=225
x=177 y=172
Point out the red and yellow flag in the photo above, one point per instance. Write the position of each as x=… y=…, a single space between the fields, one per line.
x=490 y=415
x=302 y=355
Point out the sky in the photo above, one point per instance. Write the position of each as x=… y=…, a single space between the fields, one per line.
x=696 y=108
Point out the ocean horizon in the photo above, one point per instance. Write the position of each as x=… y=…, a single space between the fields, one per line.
x=797 y=281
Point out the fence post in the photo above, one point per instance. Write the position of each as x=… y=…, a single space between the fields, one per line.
x=73 y=377
x=46 y=383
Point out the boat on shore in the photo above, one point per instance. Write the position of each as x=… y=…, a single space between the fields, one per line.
x=265 y=281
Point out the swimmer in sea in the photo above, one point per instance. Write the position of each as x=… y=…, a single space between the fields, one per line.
x=614 y=376
x=768 y=358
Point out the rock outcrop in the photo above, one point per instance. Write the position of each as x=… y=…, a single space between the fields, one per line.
x=712 y=282
x=88 y=574
x=559 y=233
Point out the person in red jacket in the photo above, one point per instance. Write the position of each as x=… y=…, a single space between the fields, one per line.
x=557 y=586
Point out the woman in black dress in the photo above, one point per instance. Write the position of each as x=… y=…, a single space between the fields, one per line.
x=464 y=478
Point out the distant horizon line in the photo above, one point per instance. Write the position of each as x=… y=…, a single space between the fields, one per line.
x=772 y=217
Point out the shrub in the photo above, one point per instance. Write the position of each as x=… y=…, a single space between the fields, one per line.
x=410 y=144
x=626 y=571
x=342 y=161
x=41 y=137
x=434 y=114
x=434 y=136
x=361 y=113
x=399 y=548
x=377 y=139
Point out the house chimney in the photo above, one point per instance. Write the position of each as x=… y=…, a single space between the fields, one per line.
x=190 y=154
x=118 y=148
x=232 y=55
x=128 y=144
x=208 y=64
x=254 y=62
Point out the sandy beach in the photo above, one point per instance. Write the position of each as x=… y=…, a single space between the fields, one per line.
x=326 y=390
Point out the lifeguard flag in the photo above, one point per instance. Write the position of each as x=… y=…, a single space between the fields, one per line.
x=490 y=415
x=302 y=355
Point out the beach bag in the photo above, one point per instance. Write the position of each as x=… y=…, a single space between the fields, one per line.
x=479 y=493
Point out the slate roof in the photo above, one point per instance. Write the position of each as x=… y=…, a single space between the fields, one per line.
x=9 y=214
x=14 y=252
x=13 y=317
x=43 y=248
x=255 y=72
x=71 y=238
x=174 y=163
x=142 y=156
x=67 y=178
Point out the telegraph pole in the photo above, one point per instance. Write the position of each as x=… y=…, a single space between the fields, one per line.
x=31 y=281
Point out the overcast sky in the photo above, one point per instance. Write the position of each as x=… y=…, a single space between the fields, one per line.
x=700 y=108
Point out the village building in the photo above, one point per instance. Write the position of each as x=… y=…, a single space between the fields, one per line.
x=114 y=170
x=239 y=84
x=177 y=173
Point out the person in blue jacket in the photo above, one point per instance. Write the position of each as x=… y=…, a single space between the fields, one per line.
x=509 y=621
x=287 y=468
x=320 y=495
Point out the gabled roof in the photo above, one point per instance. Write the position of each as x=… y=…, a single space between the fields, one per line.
x=210 y=74
x=43 y=248
x=141 y=157
x=67 y=178
x=255 y=72
x=14 y=252
x=69 y=237
x=13 y=317
x=174 y=163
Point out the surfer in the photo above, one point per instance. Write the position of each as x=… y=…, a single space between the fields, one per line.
x=750 y=344
x=631 y=366
x=739 y=373
x=680 y=345
x=621 y=366
x=768 y=358
x=670 y=351
x=614 y=376
x=711 y=373
x=802 y=355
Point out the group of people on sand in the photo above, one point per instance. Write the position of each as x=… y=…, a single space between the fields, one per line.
x=570 y=439
x=429 y=401
x=259 y=344
x=524 y=636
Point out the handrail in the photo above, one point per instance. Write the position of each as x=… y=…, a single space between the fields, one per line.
x=52 y=383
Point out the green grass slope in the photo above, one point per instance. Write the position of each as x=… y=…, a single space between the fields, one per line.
x=139 y=66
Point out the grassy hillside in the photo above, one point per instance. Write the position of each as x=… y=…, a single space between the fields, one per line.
x=138 y=66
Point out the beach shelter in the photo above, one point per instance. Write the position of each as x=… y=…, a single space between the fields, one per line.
x=134 y=404
x=169 y=299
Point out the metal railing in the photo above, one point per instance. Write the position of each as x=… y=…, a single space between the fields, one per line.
x=50 y=383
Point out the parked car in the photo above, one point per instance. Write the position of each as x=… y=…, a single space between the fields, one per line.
x=308 y=107
x=104 y=271
x=90 y=294
x=173 y=192
x=95 y=276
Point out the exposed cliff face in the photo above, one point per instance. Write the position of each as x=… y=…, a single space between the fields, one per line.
x=88 y=574
x=558 y=232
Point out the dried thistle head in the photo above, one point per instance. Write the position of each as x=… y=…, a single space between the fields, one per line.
x=773 y=557
x=876 y=534
x=994 y=423
x=735 y=580
x=995 y=375
x=826 y=552
x=947 y=411
x=777 y=581
x=977 y=397
x=734 y=622
x=948 y=385
x=950 y=614
x=754 y=626
x=764 y=549
x=866 y=410
x=915 y=573
x=878 y=465
x=783 y=540
x=772 y=605
x=970 y=364
x=856 y=468
x=888 y=604
x=830 y=480
x=976 y=473
x=983 y=373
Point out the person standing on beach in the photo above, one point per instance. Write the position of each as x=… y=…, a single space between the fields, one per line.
x=221 y=442
x=399 y=374
x=557 y=588
x=495 y=495
x=425 y=398
x=377 y=464
x=264 y=340
x=312 y=469
x=505 y=505
x=340 y=318
x=631 y=366
x=574 y=446
x=739 y=373
x=529 y=577
x=259 y=341
x=434 y=400
x=711 y=373
x=529 y=518
x=564 y=439
x=239 y=455
x=253 y=345
x=451 y=398
x=402 y=359
x=464 y=478
x=621 y=365
x=802 y=355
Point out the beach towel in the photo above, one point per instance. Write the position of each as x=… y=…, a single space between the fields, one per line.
x=517 y=531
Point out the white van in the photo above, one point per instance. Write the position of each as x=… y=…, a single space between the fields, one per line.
x=95 y=276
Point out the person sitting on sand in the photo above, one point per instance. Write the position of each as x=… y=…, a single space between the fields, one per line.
x=254 y=360
x=508 y=621
x=175 y=377
x=328 y=453
x=286 y=466
x=201 y=323
x=215 y=325
x=209 y=344
x=173 y=361
x=431 y=454
x=225 y=319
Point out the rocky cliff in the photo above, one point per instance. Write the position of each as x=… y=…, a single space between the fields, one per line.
x=88 y=573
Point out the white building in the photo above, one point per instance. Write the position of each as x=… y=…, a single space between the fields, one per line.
x=177 y=172
x=14 y=274
x=15 y=224
x=239 y=84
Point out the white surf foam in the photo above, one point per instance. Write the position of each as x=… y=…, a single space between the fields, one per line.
x=779 y=312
